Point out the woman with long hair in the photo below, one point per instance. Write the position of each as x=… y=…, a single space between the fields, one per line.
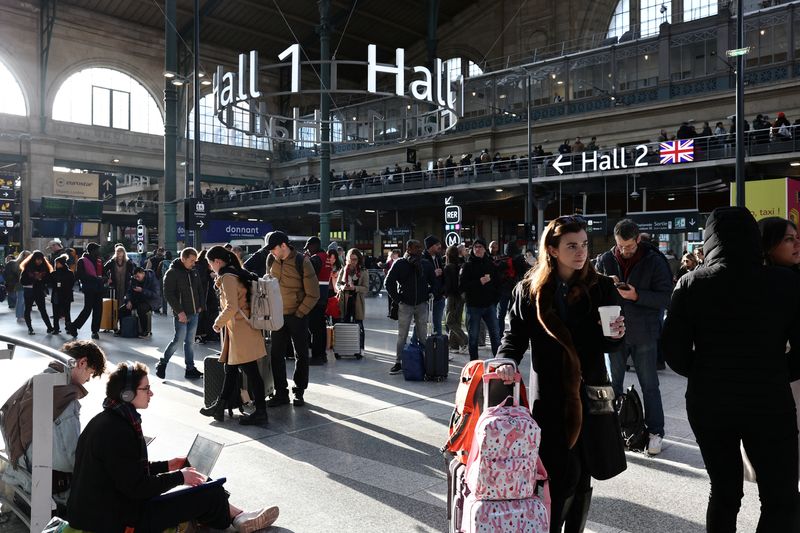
x=242 y=346
x=454 y=312
x=19 y=309
x=34 y=272
x=555 y=313
x=205 y=331
x=332 y=309
x=780 y=243
x=352 y=284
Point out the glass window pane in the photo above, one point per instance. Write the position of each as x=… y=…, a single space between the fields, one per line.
x=120 y=110
x=621 y=19
x=653 y=14
x=11 y=99
x=695 y=9
x=101 y=106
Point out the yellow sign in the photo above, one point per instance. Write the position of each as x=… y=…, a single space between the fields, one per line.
x=75 y=185
x=764 y=198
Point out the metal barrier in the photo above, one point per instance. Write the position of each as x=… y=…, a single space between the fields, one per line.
x=41 y=502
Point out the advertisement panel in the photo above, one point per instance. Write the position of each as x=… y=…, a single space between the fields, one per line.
x=793 y=200
x=76 y=185
x=764 y=198
x=226 y=230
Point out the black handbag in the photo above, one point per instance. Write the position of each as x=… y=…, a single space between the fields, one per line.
x=603 y=448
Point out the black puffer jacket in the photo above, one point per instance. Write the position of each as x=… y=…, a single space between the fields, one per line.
x=409 y=281
x=477 y=294
x=182 y=289
x=729 y=323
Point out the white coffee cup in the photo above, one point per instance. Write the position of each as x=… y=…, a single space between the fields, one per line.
x=608 y=314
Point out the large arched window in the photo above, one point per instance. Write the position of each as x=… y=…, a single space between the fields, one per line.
x=12 y=101
x=214 y=131
x=621 y=19
x=696 y=9
x=110 y=98
x=652 y=13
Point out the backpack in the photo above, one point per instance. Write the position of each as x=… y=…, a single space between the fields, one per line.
x=469 y=404
x=266 y=304
x=631 y=420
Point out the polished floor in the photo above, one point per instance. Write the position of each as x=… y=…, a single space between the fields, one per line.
x=363 y=454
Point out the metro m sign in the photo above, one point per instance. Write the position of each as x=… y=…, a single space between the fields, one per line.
x=452 y=214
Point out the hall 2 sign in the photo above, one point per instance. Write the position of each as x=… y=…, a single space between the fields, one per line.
x=598 y=161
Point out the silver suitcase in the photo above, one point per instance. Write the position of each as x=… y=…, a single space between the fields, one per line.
x=346 y=339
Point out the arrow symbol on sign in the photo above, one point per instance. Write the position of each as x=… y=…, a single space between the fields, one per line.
x=448 y=200
x=557 y=164
x=5 y=194
x=692 y=222
x=200 y=223
x=107 y=184
x=5 y=232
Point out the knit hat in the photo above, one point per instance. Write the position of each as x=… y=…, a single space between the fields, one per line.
x=430 y=240
x=275 y=238
x=333 y=246
x=481 y=241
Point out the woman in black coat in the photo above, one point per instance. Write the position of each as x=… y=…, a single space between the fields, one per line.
x=34 y=271
x=555 y=312
x=727 y=331
x=115 y=486
x=780 y=243
x=61 y=281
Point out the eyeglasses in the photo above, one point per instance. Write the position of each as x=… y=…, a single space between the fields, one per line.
x=146 y=389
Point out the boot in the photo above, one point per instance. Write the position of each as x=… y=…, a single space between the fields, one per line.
x=578 y=512
x=216 y=409
x=258 y=418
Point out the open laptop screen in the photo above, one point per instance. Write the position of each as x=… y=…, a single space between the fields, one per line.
x=203 y=454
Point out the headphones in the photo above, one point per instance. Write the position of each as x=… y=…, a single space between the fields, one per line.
x=128 y=392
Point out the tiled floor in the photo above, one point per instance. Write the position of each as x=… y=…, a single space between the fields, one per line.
x=363 y=454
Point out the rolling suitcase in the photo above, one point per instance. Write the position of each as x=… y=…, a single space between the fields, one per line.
x=437 y=351
x=129 y=326
x=213 y=377
x=347 y=339
x=108 y=320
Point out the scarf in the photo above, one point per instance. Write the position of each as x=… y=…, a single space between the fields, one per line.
x=132 y=416
x=627 y=264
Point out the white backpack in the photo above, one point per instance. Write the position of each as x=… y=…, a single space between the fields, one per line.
x=266 y=304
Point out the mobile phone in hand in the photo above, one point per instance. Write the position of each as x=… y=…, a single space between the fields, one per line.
x=622 y=285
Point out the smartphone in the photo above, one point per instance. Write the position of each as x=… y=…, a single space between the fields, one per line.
x=622 y=285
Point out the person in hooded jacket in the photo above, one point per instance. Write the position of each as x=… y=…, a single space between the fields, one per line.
x=455 y=301
x=727 y=332
x=479 y=281
x=61 y=281
x=555 y=314
x=90 y=275
x=35 y=270
x=143 y=296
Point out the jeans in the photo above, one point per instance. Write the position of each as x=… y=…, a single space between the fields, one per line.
x=771 y=445
x=455 y=310
x=644 y=360
x=405 y=312
x=294 y=331
x=184 y=332
x=20 y=309
x=502 y=309
x=12 y=298
x=489 y=317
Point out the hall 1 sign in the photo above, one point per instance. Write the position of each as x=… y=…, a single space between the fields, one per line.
x=668 y=221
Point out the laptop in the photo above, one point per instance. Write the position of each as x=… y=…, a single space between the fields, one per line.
x=203 y=454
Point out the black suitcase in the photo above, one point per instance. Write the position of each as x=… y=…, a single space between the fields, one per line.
x=129 y=326
x=213 y=376
x=437 y=352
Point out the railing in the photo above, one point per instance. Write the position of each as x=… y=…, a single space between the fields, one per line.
x=628 y=157
x=41 y=503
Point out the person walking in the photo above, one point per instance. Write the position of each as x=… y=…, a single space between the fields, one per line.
x=300 y=293
x=352 y=285
x=156 y=264
x=19 y=308
x=35 y=270
x=727 y=331
x=182 y=290
x=61 y=281
x=409 y=283
x=90 y=275
x=644 y=282
x=455 y=301
x=479 y=283
x=119 y=270
x=555 y=314
x=242 y=346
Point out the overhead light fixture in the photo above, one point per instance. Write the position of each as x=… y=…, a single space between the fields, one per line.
x=762 y=32
x=553 y=76
x=355 y=118
x=115 y=160
x=474 y=93
x=369 y=210
x=794 y=164
x=671 y=197
x=205 y=82
x=635 y=194
x=235 y=212
x=177 y=82
x=268 y=158
x=183 y=163
x=560 y=82
x=498 y=190
x=502 y=96
x=252 y=220
x=201 y=74
x=408 y=106
x=168 y=74
x=646 y=57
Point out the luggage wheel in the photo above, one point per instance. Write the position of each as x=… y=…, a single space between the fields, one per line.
x=337 y=356
x=359 y=357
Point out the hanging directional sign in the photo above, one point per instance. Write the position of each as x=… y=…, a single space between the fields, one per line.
x=195 y=213
x=668 y=221
x=452 y=239
x=452 y=214
x=107 y=189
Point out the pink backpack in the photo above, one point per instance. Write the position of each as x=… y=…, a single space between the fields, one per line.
x=503 y=469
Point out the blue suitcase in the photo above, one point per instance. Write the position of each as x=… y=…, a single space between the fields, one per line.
x=412 y=359
x=129 y=326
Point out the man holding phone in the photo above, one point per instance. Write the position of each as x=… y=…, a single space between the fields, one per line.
x=644 y=283
x=479 y=283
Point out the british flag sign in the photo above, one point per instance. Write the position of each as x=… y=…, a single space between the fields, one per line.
x=677 y=151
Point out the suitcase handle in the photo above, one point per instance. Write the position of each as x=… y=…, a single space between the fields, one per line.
x=498 y=361
x=492 y=376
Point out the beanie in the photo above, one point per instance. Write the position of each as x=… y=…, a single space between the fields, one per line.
x=430 y=240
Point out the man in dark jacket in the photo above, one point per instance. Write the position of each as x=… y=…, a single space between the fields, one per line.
x=479 y=283
x=728 y=328
x=156 y=264
x=644 y=282
x=432 y=255
x=316 y=318
x=409 y=283
x=90 y=275
x=143 y=296
x=182 y=290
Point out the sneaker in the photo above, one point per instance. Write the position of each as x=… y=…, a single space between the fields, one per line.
x=161 y=370
x=654 y=445
x=298 y=397
x=249 y=521
x=277 y=401
x=317 y=361
x=95 y=335
x=192 y=373
x=396 y=369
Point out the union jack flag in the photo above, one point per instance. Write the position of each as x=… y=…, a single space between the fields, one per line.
x=677 y=151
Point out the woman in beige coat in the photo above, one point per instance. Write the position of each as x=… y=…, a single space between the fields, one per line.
x=242 y=346
x=352 y=284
